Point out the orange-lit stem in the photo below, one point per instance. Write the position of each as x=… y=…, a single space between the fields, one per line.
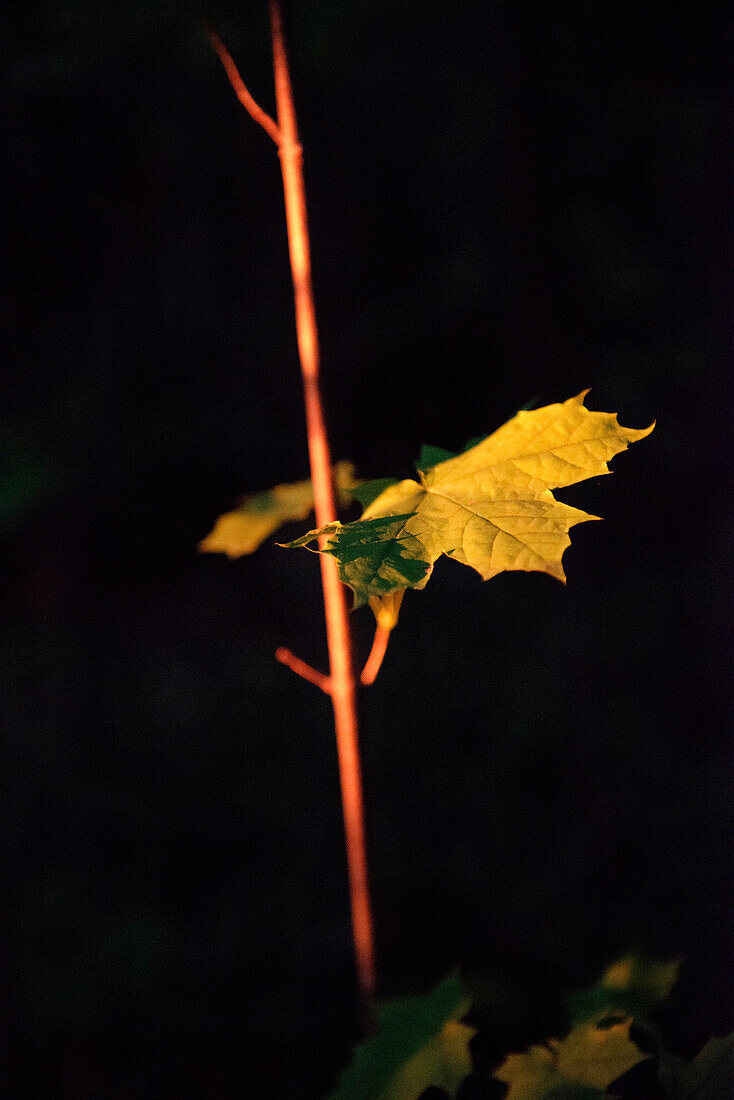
x=377 y=654
x=340 y=684
x=302 y=669
x=337 y=628
x=254 y=109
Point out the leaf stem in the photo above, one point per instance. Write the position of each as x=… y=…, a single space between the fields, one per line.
x=377 y=654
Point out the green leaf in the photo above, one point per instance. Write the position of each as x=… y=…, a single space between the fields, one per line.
x=431 y=456
x=490 y=508
x=370 y=490
x=375 y=556
x=633 y=985
x=419 y=1042
x=259 y=515
x=473 y=442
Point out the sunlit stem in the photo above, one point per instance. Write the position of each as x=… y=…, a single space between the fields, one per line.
x=386 y=609
x=337 y=628
x=340 y=683
x=254 y=109
x=302 y=669
x=377 y=654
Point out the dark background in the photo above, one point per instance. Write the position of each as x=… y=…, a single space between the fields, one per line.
x=508 y=202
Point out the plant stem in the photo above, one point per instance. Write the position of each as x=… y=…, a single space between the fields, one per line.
x=253 y=109
x=302 y=669
x=341 y=669
x=377 y=654
x=340 y=684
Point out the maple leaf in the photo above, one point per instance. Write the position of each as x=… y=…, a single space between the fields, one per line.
x=534 y=1075
x=581 y=1065
x=419 y=1042
x=490 y=507
x=257 y=516
x=594 y=1055
x=633 y=985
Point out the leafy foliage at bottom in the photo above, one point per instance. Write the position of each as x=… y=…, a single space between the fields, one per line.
x=419 y=1042
x=583 y=1064
x=599 y=1057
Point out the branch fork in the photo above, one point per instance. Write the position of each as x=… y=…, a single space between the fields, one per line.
x=321 y=680
x=302 y=669
x=269 y=125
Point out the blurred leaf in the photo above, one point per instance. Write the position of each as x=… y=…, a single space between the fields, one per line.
x=581 y=1065
x=534 y=1075
x=595 y=1055
x=243 y=530
x=370 y=490
x=419 y=1042
x=633 y=985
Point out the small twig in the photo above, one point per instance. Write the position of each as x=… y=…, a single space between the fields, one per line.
x=377 y=653
x=302 y=669
x=268 y=124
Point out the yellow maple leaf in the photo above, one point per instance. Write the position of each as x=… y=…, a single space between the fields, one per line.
x=583 y=1064
x=491 y=507
x=530 y=1075
x=596 y=1056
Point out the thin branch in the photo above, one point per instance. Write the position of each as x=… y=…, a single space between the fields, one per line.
x=377 y=654
x=302 y=669
x=341 y=668
x=268 y=124
x=340 y=684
